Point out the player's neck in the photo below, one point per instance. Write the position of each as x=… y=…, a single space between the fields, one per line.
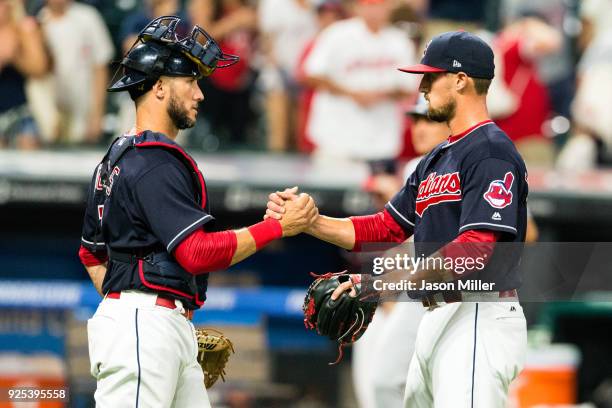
x=153 y=121
x=467 y=115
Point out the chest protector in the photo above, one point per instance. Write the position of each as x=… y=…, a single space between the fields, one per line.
x=153 y=269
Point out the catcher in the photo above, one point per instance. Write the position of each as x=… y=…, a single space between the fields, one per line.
x=145 y=243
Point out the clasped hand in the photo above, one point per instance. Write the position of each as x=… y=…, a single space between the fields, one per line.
x=296 y=213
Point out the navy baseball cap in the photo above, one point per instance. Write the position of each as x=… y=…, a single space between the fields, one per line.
x=456 y=51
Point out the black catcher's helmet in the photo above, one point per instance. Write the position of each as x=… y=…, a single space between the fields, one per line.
x=158 y=51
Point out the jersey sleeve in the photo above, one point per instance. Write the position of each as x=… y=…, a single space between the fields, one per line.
x=490 y=196
x=165 y=195
x=402 y=205
x=91 y=235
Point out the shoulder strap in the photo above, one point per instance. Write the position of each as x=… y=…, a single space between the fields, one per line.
x=119 y=147
x=115 y=152
x=187 y=160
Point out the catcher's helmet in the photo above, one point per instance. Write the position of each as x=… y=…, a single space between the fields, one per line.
x=158 y=51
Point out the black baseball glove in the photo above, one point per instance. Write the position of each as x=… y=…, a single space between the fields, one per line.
x=343 y=320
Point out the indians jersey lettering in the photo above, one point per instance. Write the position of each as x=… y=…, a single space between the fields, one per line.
x=436 y=189
x=473 y=181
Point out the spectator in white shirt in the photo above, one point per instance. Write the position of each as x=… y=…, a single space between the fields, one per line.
x=81 y=50
x=356 y=112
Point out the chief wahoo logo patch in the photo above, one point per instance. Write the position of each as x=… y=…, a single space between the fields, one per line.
x=499 y=195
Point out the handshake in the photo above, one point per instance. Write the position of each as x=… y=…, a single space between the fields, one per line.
x=296 y=213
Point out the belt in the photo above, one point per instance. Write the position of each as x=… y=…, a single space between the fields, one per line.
x=439 y=299
x=160 y=301
x=134 y=256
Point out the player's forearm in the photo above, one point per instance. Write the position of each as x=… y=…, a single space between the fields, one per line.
x=337 y=231
x=245 y=246
x=97 y=273
x=203 y=252
x=255 y=237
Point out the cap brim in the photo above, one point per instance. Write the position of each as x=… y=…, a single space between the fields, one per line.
x=420 y=69
x=127 y=81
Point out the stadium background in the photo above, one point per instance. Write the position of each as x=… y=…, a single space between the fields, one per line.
x=46 y=297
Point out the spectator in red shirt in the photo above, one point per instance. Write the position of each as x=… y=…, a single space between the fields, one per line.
x=233 y=23
x=518 y=46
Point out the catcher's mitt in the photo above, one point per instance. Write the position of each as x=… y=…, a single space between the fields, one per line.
x=343 y=320
x=214 y=350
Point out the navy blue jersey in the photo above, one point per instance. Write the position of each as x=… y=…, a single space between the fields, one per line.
x=145 y=201
x=150 y=201
x=474 y=181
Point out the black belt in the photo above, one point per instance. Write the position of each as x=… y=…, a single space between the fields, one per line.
x=430 y=301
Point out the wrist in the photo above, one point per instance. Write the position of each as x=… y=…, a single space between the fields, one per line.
x=265 y=232
x=312 y=228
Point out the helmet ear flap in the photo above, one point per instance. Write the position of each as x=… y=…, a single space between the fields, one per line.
x=142 y=88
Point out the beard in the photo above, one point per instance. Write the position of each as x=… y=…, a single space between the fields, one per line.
x=444 y=113
x=178 y=114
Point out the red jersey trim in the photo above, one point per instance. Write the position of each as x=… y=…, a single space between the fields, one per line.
x=455 y=138
x=163 y=288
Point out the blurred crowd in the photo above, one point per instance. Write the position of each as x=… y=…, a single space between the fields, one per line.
x=315 y=76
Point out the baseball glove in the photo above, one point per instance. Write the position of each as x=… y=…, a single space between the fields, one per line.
x=214 y=350
x=343 y=320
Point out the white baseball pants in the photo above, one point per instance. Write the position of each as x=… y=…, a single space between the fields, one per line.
x=143 y=355
x=466 y=355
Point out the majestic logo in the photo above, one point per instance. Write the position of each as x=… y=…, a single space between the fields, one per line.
x=437 y=189
x=499 y=195
x=496 y=216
